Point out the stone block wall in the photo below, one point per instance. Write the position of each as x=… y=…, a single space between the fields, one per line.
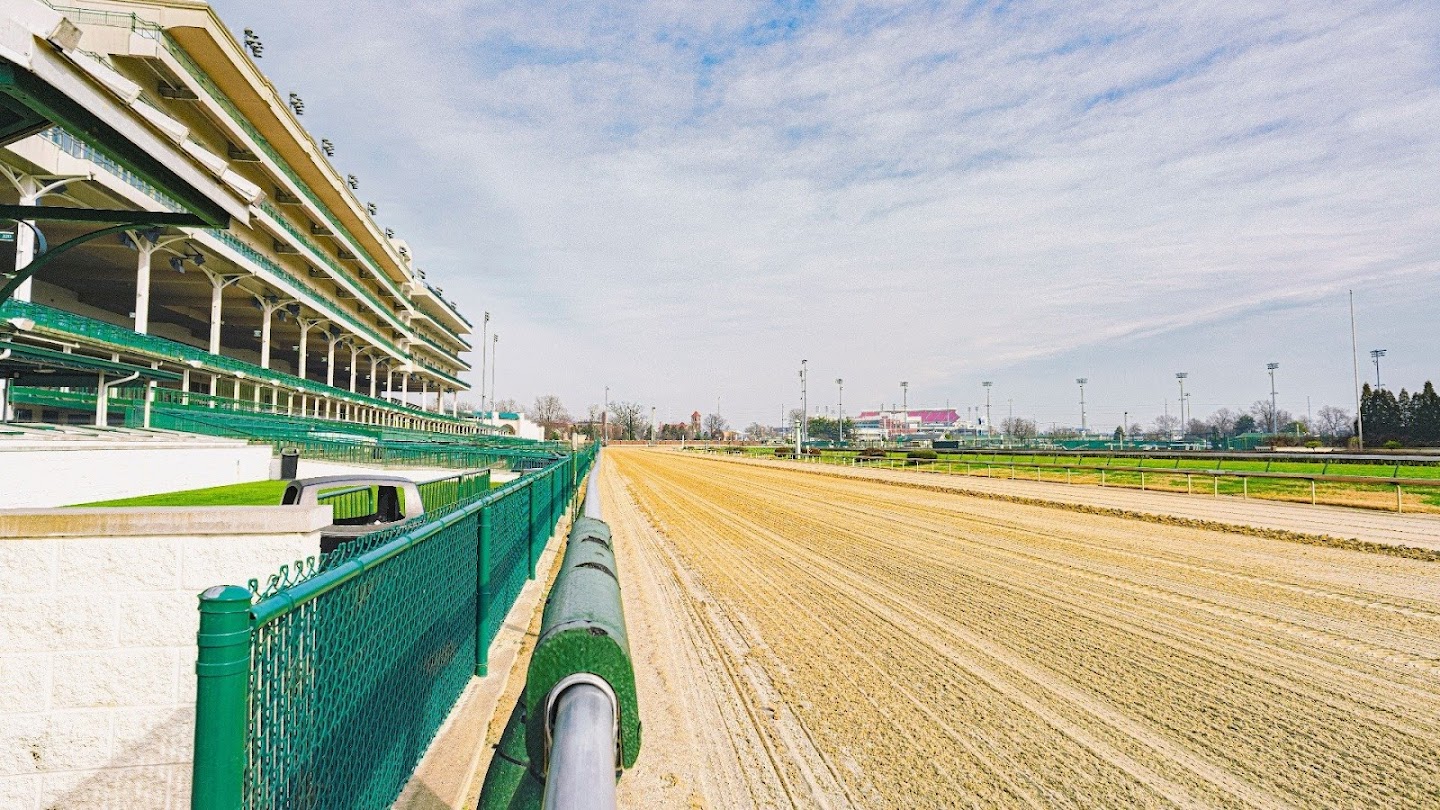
x=98 y=616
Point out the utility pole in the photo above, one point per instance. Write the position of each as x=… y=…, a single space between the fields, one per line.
x=803 y=423
x=1124 y=429
x=989 y=430
x=1272 y=367
x=841 y=384
x=1355 y=363
x=1081 y=381
x=605 y=419
x=1376 y=354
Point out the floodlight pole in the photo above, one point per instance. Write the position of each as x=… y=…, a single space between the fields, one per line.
x=1271 y=367
x=1376 y=354
x=1081 y=382
x=484 y=356
x=1355 y=364
x=989 y=430
x=1180 y=377
x=841 y=384
x=904 y=408
x=802 y=425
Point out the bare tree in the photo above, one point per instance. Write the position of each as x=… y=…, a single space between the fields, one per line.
x=551 y=415
x=1262 y=413
x=1166 y=425
x=1333 y=422
x=1222 y=421
x=506 y=406
x=1019 y=428
x=629 y=418
x=758 y=432
x=715 y=426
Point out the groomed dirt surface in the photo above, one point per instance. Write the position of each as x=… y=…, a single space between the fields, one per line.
x=811 y=641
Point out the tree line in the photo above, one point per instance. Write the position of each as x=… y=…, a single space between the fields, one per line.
x=1406 y=420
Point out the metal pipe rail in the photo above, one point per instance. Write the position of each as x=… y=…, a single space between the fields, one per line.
x=583 y=756
x=582 y=726
x=941 y=465
x=592 y=492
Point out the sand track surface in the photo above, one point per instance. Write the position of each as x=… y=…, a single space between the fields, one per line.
x=812 y=641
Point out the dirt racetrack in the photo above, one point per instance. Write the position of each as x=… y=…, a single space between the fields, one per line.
x=812 y=641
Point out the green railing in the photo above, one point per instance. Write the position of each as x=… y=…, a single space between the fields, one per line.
x=444 y=352
x=73 y=146
x=443 y=493
x=304 y=239
x=438 y=495
x=248 y=251
x=323 y=440
x=119 y=337
x=349 y=502
x=324 y=686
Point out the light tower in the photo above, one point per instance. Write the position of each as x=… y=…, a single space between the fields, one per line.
x=803 y=423
x=988 y=429
x=1180 y=377
x=841 y=385
x=1376 y=354
x=1272 y=367
x=904 y=407
x=1081 y=382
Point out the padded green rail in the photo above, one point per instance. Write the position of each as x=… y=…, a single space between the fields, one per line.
x=322 y=686
x=582 y=632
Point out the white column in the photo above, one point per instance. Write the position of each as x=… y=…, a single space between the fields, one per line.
x=330 y=367
x=215 y=290
x=405 y=387
x=144 y=249
x=424 y=394
x=184 y=386
x=374 y=367
x=24 y=252
x=267 y=315
x=102 y=405
x=354 y=366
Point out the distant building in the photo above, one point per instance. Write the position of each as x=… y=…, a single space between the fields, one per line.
x=913 y=424
x=511 y=423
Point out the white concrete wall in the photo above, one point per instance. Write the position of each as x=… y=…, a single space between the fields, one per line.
x=57 y=473
x=98 y=616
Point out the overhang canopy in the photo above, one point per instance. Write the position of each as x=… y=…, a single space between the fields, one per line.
x=41 y=86
x=47 y=368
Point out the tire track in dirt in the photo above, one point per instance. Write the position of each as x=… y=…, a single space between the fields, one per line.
x=934 y=649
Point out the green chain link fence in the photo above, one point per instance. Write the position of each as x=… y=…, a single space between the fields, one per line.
x=322 y=687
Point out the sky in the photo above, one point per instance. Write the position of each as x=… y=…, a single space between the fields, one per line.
x=683 y=201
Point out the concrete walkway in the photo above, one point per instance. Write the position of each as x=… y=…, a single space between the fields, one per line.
x=1386 y=528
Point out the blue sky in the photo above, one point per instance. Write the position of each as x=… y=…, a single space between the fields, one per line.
x=681 y=201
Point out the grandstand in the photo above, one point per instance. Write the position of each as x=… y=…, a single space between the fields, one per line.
x=238 y=268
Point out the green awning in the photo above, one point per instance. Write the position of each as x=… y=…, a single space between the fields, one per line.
x=47 y=368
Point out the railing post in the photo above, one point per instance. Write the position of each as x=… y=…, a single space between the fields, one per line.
x=222 y=698
x=482 y=591
x=534 y=527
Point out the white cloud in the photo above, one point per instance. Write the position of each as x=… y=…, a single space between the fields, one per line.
x=677 y=201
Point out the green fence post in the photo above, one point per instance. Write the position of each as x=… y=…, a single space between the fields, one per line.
x=533 y=527
x=482 y=592
x=222 y=698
